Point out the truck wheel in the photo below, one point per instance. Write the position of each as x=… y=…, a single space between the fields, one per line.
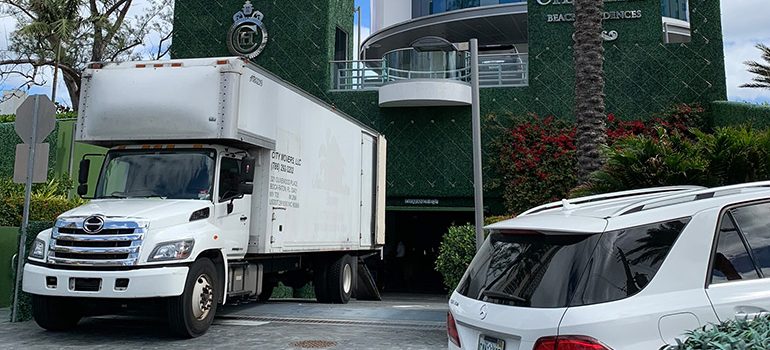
x=55 y=313
x=191 y=314
x=268 y=284
x=340 y=280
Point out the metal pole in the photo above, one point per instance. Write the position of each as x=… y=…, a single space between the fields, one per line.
x=478 y=188
x=56 y=73
x=358 y=45
x=25 y=216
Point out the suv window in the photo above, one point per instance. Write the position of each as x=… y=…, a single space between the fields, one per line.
x=754 y=222
x=551 y=270
x=731 y=259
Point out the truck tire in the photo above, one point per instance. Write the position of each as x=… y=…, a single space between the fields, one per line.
x=55 y=313
x=320 y=283
x=191 y=314
x=268 y=284
x=340 y=280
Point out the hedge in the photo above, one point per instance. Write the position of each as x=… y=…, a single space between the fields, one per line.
x=737 y=334
x=726 y=113
x=25 y=307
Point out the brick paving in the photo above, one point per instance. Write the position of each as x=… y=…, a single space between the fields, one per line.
x=358 y=325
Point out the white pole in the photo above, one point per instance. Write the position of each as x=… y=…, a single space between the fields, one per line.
x=478 y=188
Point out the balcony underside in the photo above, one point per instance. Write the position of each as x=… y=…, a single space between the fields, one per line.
x=425 y=93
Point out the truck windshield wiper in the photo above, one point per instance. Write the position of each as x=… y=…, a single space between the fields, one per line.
x=503 y=296
x=113 y=195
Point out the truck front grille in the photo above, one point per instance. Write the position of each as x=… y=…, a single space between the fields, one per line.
x=116 y=243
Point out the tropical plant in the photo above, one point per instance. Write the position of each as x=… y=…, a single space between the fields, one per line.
x=731 y=335
x=458 y=246
x=761 y=70
x=67 y=34
x=590 y=134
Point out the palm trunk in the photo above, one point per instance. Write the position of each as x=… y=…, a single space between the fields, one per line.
x=591 y=132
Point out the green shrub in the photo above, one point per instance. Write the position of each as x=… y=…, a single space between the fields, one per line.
x=730 y=335
x=458 y=246
x=48 y=201
x=736 y=154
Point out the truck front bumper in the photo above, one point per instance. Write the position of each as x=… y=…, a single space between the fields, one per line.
x=142 y=283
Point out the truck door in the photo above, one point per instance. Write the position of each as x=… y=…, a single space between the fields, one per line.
x=366 y=214
x=232 y=208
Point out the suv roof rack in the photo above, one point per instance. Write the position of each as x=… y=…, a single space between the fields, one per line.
x=572 y=203
x=690 y=196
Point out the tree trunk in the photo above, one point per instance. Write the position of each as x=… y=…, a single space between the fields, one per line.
x=591 y=132
x=73 y=89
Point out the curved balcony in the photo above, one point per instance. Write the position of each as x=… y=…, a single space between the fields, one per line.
x=495 y=70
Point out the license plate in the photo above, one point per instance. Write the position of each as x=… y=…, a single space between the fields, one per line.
x=490 y=343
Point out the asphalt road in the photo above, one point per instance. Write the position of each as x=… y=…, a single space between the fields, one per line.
x=398 y=322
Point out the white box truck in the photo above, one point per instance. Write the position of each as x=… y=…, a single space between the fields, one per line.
x=220 y=180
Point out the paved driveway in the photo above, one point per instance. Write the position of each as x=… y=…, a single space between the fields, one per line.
x=398 y=322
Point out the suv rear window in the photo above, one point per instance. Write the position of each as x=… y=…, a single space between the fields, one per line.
x=546 y=270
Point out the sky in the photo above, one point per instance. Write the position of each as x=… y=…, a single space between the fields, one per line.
x=744 y=24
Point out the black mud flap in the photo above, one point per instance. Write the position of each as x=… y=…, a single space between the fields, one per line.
x=365 y=288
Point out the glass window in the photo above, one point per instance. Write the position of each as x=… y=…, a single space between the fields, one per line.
x=177 y=174
x=229 y=178
x=552 y=270
x=754 y=222
x=731 y=259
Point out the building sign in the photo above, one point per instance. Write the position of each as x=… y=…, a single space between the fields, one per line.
x=420 y=201
x=571 y=2
x=607 y=15
x=248 y=34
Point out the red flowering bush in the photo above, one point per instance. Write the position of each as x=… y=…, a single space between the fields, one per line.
x=535 y=158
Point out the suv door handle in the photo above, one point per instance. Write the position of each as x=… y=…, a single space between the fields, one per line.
x=243 y=218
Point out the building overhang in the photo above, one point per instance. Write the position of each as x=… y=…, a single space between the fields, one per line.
x=492 y=25
x=425 y=93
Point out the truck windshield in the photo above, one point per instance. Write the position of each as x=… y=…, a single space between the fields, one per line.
x=174 y=174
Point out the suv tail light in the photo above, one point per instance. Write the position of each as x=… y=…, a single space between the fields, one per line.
x=451 y=329
x=569 y=342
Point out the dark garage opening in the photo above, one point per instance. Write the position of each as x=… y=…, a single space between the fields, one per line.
x=411 y=268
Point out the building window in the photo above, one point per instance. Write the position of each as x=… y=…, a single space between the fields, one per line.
x=676 y=21
x=429 y=7
x=340 y=45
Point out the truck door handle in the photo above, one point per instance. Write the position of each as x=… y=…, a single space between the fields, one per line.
x=243 y=218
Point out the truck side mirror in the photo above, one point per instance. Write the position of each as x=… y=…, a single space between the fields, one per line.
x=246 y=188
x=85 y=166
x=82 y=189
x=247 y=169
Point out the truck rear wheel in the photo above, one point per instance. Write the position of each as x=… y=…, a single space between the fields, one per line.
x=55 y=313
x=341 y=280
x=268 y=284
x=191 y=314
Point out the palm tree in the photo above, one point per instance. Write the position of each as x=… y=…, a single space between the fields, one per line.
x=762 y=80
x=589 y=86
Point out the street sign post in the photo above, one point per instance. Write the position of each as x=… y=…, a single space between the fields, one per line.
x=35 y=119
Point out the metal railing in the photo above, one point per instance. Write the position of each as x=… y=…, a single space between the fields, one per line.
x=495 y=70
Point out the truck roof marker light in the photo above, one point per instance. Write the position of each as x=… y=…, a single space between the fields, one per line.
x=170 y=146
x=158 y=65
x=176 y=64
x=95 y=65
x=223 y=62
x=157 y=146
x=197 y=145
x=141 y=65
x=145 y=146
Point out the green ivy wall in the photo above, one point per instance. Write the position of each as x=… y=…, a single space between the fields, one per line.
x=429 y=149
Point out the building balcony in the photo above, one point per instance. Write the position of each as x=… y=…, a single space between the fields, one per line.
x=431 y=78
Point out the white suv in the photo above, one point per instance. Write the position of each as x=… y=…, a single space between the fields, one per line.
x=627 y=270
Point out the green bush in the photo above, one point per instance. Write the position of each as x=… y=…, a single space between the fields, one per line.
x=730 y=335
x=48 y=201
x=458 y=246
x=729 y=155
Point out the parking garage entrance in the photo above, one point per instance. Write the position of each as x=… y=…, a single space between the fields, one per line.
x=412 y=239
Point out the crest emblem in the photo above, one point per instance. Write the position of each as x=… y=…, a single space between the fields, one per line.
x=248 y=34
x=483 y=312
x=93 y=224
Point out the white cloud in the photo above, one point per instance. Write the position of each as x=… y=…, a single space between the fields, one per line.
x=744 y=24
x=365 y=32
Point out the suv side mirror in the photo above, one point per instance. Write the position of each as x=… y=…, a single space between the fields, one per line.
x=82 y=190
x=85 y=166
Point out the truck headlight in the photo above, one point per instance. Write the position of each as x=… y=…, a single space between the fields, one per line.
x=176 y=250
x=38 y=249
